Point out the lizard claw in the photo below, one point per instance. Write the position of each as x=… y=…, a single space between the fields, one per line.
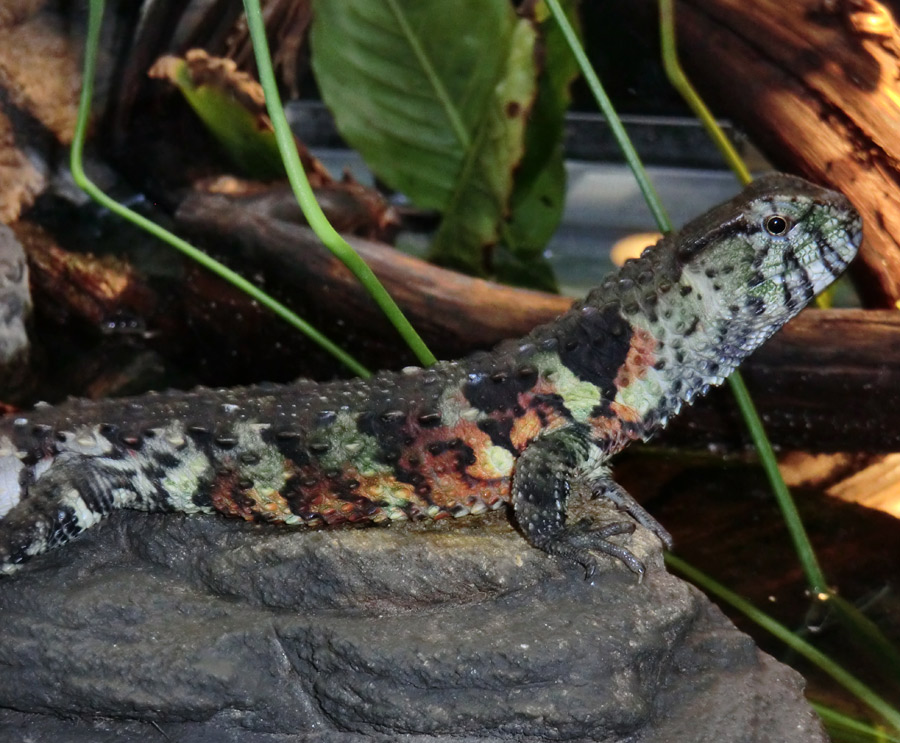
x=625 y=502
x=579 y=542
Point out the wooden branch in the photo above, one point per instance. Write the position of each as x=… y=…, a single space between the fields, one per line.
x=817 y=97
x=454 y=313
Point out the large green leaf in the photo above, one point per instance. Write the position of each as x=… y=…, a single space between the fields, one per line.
x=479 y=203
x=435 y=96
x=536 y=204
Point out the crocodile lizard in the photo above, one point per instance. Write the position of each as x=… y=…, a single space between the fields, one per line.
x=525 y=424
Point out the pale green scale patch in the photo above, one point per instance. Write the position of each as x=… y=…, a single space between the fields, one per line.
x=391 y=495
x=454 y=407
x=579 y=396
x=712 y=302
x=501 y=459
x=347 y=444
x=643 y=395
x=183 y=481
x=268 y=473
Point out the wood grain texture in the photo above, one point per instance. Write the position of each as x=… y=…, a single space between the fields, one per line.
x=818 y=98
x=454 y=313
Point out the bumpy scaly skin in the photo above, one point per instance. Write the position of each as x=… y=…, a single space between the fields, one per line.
x=523 y=425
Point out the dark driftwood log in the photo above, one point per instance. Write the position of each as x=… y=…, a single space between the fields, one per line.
x=829 y=381
x=818 y=97
x=453 y=312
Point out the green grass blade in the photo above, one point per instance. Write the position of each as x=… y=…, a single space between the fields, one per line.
x=812 y=654
x=837 y=723
x=307 y=200
x=805 y=553
x=873 y=642
x=612 y=118
x=95 y=19
x=814 y=573
x=680 y=82
x=876 y=644
x=818 y=586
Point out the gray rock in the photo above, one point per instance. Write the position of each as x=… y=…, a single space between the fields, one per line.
x=157 y=627
x=15 y=300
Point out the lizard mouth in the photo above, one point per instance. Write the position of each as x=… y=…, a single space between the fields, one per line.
x=832 y=252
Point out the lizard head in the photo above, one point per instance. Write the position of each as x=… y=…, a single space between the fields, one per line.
x=706 y=297
x=777 y=244
x=754 y=262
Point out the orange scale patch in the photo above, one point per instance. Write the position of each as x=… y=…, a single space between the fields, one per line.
x=385 y=489
x=524 y=429
x=605 y=427
x=488 y=492
x=271 y=507
x=228 y=499
x=485 y=470
x=451 y=484
x=625 y=412
x=316 y=499
x=641 y=356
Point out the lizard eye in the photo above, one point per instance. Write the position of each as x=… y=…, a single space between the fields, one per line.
x=777 y=225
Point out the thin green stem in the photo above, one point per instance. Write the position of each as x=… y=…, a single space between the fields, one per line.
x=807 y=556
x=845 y=679
x=612 y=118
x=873 y=642
x=805 y=553
x=307 y=200
x=814 y=573
x=680 y=82
x=840 y=722
x=95 y=20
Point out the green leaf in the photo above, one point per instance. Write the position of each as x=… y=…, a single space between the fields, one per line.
x=474 y=216
x=534 y=272
x=537 y=201
x=250 y=145
x=536 y=208
x=435 y=97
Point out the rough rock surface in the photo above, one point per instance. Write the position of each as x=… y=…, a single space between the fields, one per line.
x=15 y=300
x=161 y=627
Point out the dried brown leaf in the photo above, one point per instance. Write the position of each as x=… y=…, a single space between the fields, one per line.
x=40 y=72
x=20 y=180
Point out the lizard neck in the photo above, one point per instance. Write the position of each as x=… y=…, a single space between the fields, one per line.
x=641 y=345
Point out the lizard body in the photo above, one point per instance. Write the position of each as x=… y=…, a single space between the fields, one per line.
x=524 y=424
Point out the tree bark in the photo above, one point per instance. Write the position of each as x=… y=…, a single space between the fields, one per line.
x=818 y=97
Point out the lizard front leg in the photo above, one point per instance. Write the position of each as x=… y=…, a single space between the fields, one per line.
x=544 y=476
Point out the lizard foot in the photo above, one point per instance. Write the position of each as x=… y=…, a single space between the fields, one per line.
x=607 y=488
x=582 y=540
x=542 y=481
